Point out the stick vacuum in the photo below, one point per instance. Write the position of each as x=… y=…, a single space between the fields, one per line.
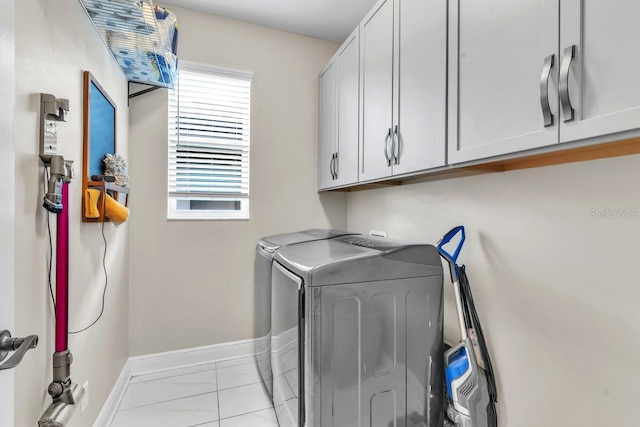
x=470 y=388
x=63 y=391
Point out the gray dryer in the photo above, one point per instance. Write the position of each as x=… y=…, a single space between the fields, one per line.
x=265 y=249
x=357 y=334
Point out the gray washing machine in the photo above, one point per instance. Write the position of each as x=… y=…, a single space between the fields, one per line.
x=357 y=334
x=265 y=250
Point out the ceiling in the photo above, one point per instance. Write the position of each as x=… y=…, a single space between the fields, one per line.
x=325 y=19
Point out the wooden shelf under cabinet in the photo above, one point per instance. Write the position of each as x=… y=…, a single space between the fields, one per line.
x=554 y=155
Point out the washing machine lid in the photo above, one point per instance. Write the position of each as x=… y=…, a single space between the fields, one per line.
x=354 y=259
x=275 y=242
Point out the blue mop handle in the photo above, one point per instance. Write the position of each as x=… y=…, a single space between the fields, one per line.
x=452 y=258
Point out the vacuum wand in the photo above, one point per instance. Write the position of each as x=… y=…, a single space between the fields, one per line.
x=62 y=276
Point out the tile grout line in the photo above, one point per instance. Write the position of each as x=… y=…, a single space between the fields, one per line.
x=172 y=399
x=218 y=395
x=216 y=390
x=169 y=376
x=197 y=372
x=271 y=409
x=168 y=400
x=113 y=417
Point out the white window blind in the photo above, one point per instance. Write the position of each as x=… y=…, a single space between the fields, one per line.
x=209 y=118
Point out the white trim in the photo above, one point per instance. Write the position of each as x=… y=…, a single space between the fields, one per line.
x=8 y=183
x=284 y=340
x=190 y=356
x=173 y=213
x=197 y=67
x=262 y=344
x=112 y=403
x=220 y=171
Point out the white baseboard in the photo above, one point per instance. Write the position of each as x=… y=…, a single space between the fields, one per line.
x=284 y=340
x=190 y=356
x=139 y=365
x=110 y=407
x=262 y=344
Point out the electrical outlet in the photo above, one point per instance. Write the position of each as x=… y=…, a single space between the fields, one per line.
x=84 y=401
x=377 y=233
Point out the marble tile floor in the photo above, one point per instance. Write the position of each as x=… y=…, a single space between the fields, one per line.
x=219 y=394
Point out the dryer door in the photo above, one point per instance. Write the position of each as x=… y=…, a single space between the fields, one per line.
x=287 y=354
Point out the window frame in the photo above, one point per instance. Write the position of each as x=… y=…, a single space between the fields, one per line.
x=173 y=213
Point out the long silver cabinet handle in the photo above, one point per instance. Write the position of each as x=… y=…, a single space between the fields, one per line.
x=547 y=115
x=335 y=166
x=395 y=146
x=333 y=157
x=386 y=146
x=567 y=109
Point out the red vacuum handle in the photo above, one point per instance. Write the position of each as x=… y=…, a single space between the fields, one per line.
x=62 y=273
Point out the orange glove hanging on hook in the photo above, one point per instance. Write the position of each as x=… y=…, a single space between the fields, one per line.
x=114 y=210
x=91 y=198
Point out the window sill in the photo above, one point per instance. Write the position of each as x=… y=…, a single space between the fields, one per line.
x=174 y=219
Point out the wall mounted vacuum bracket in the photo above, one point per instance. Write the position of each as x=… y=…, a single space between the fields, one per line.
x=52 y=111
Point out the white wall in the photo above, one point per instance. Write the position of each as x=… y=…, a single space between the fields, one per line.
x=192 y=281
x=7 y=195
x=555 y=284
x=55 y=42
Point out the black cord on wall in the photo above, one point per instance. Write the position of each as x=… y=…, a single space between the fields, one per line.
x=53 y=300
x=104 y=263
x=104 y=267
x=106 y=277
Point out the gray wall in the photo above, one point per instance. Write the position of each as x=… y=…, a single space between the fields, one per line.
x=55 y=42
x=192 y=281
x=551 y=263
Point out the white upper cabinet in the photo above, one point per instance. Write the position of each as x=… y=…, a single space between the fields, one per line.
x=503 y=77
x=376 y=79
x=421 y=84
x=602 y=79
x=427 y=83
x=533 y=73
x=327 y=112
x=403 y=80
x=346 y=163
x=339 y=102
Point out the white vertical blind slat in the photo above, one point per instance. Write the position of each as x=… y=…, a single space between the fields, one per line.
x=209 y=118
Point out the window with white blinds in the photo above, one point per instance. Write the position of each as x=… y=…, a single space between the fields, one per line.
x=209 y=118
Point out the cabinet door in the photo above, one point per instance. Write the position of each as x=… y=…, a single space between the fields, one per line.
x=376 y=77
x=497 y=55
x=421 y=85
x=604 y=88
x=348 y=109
x=327 y=124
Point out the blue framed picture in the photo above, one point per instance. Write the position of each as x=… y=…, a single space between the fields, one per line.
x=99 y=131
